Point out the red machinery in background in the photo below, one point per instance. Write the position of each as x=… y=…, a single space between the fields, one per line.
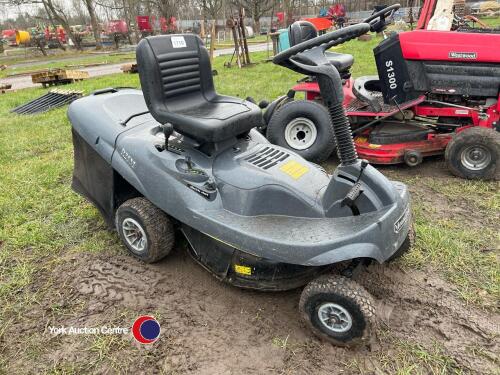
x=148 y=25
x=117 y=27
x=54 y=35
x=338 y=15
x=437 y=92
x=10 y=36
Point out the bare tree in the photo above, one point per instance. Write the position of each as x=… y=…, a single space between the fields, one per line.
x=211 y=10
x=289 y=6
x=255 y=9
x=58 y=13
x=94 y=22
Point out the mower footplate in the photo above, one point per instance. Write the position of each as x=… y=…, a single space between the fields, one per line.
x=359 y=108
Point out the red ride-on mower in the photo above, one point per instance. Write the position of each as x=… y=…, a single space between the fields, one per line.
x=437 y=92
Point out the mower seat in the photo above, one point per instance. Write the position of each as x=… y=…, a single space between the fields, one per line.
x=341 y=61
x=176 y=79
x=300 y=31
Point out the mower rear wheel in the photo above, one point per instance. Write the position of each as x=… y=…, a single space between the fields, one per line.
x=474 y=154
x=146 y=231
x=337 y=309
x=303 y=127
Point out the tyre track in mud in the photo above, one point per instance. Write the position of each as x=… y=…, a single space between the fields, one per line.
x=209 y=327
x=423 y=308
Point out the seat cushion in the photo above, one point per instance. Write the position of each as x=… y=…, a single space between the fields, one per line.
x=216 y=120
x=341 y=61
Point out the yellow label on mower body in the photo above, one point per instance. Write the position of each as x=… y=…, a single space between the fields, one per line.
x=242 y=270
x=294 y=169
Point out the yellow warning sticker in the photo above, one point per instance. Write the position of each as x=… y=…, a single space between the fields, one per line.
x=294 y=169
x=242 y=270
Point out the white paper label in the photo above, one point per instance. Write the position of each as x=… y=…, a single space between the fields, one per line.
x=178 y=42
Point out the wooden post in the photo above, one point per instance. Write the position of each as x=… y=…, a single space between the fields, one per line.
x=243 y=33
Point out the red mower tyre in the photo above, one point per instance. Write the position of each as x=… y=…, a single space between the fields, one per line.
x=474 y=154
x=337 y=309
x=146 y=231
x=303 y=127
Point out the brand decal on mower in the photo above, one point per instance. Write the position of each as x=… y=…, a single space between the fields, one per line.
x=463 y=55
x=178 y=42
x=203 y=193
x=126 y=156
x=391 y=75
x=402 y=220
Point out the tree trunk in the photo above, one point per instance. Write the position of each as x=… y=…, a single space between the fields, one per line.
x=213 y=37
x=95 y=25
x=39 y=44
x=127 y=20
x=202 y=29
x=256 y=26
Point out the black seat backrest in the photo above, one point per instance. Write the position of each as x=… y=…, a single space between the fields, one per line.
x=300 y=31
x=173 y=69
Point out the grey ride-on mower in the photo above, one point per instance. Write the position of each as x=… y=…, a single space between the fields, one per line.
x=178 y=158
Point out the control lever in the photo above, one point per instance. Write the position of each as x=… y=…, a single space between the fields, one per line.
x=189 y=163
x=354 y=192
x=168 y=129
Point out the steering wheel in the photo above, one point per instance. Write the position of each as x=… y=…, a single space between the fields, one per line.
x=324 y=41
x=379 y=16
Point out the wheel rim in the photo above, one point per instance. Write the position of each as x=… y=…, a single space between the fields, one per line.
x=475 y=157
x=334 y=317
x=134 y=234
x=300 y=133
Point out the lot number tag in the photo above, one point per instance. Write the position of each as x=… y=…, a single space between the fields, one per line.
x=178 y=42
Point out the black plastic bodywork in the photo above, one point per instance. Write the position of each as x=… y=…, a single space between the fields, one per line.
x=393 y=72
x=244 y=270
x=455 y=78
x=96 y=180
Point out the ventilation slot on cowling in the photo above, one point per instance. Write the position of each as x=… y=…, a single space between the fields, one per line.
x=267 y=157
x=180 y=72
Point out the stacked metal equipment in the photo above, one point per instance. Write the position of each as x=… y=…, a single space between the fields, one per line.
x=53 y=99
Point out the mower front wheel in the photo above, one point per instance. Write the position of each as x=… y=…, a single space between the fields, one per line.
x=146 y=231
x=337 y=309
x=474 y=153
x=303 y=127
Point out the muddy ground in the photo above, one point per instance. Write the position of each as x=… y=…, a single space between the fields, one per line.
x=208 y=327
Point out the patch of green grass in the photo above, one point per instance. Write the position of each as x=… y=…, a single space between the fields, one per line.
x=413 y=359
x=479 y=195
x=465 y=256
x=492 y=21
